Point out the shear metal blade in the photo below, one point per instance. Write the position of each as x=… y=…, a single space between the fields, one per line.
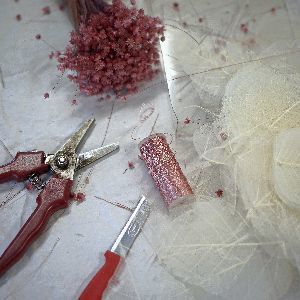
x=72 y=143
x=132 y=228
x=89 y=157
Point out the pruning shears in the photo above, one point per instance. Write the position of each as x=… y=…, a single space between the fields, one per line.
x=56 y=192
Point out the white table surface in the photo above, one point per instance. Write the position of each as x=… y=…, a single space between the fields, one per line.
x=61 y=262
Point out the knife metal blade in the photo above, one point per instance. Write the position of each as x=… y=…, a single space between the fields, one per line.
x=89 y=157
x=132 y=228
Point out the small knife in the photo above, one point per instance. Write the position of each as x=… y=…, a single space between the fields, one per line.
x=120 y=248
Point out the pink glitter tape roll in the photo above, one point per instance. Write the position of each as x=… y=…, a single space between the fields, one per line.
x=165 y=170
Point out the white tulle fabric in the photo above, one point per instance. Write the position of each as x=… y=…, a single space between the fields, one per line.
x=253 y=150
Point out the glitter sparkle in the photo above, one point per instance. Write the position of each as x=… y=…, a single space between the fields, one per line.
x=165 y=169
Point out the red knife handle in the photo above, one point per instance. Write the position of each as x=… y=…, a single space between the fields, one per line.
x=24 y=165
x=97 y=286
x=54 y=197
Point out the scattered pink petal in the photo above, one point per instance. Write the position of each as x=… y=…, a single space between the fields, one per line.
x=244 y=28
x=219 y=193
x=176 y=6
x=187 y=121
x=79 y=197
x=51 y=55
x=131 y=165
x=46 y=10
x=223 y=136
x=123 y=99
x=61 y=6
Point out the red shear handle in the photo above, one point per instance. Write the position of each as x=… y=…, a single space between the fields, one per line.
x=97 y=286
x=24 y=164
x=55 y=196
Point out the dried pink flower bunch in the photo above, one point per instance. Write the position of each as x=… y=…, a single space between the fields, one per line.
x=113 y=50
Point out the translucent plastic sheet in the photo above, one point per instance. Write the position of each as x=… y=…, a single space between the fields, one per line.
x=205 y=45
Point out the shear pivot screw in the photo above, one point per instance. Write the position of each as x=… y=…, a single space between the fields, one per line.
x=62 y=161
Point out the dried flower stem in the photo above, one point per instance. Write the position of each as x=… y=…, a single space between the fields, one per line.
x=81 y=9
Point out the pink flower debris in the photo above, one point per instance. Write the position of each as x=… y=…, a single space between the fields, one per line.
x=224 y=136
x=46 y=10
x=130 y=165
x=176 y=6
x=74 y=102
x=114 y=50
x=61 y=6
x=187 y=121
x=219 y=193
x=123 y=98
x=244 y=28
x=80 y=197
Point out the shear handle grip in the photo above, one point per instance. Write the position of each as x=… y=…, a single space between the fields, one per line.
x=23 y=165
x=54 y=197
x=97 y=286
